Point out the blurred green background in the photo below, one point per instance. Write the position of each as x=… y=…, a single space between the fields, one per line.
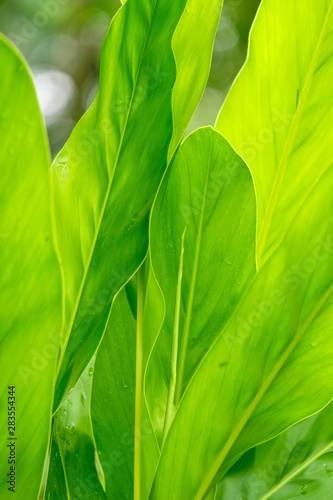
x=62 y=40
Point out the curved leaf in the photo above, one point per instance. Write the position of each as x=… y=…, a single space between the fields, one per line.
x=284 y=109
x=192 y=45
x=72 y=472
x=196 y=206
x=113 y=399
x=295 y=463
x=30 y=283
x=109 y=171
x=119 y=437
x=315 y=481
x=280 y=332
x=56 y=486
x=215 y=169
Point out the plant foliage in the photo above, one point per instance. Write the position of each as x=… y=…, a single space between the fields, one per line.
x=167 y=305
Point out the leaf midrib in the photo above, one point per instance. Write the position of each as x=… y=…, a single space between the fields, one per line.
x=243 y=298
x=107 y=195
x=235 y=434
x=260 y=394
x=297 y=471
x=290 y=140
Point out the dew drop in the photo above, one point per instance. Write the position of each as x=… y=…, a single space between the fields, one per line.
x=303 y=492
x=328 y=471
x=227 y=261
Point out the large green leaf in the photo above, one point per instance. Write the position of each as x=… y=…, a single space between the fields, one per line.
x=269 y=367
x=315 y=481
x=195 y=215
x=72 y=472
x=30 y=283
x=192 y=45
x=214 y=168
x=113 y=400
x=122 y=426
x=298 y=462
x=106 y=176
x=56 y=487
x=279 y=112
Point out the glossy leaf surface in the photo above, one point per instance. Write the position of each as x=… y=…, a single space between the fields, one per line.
x=107 y=175
x=271 y=363
x=30 y=282
x=72 y=472
x=113 y=400
x=119 y=436
x=298 y=462
x=279 y=112
x=207 y=203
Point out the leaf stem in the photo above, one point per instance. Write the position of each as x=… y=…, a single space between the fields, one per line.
x=170 y=409
x=138 y=386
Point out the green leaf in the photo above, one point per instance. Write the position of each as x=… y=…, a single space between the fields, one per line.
x=192 y=46
x=270 y=365
x=106 y=176
x=56 y=487
x=298 y=462
x=315 y=481
x=73 y=472
x=195 y=216
x=283 y=109
x=125 y=374
x=113 y=399
x=119 y=435
x=30 y=282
